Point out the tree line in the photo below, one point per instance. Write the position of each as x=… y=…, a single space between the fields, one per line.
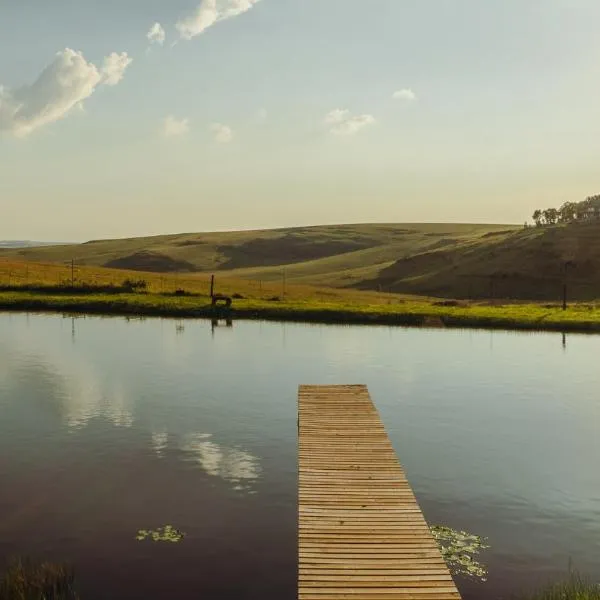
x=569 y=212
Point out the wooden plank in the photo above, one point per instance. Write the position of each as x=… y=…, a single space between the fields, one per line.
x=361 y=532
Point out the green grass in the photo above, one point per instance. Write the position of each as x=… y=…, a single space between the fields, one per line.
x=27 y=580
x=575 y=587
x=333 y=256
x=441 y=260
x=395 y=312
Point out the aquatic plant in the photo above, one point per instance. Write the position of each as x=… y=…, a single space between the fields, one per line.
x=575 y=587
x=458 y=549
x=168 y=533
x=28 y=580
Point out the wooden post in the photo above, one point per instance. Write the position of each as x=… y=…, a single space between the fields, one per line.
x=284 y=281
x=72 y=273
x=566 y=267
x=212 y=286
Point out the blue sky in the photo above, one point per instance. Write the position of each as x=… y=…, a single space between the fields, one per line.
x=284 y=113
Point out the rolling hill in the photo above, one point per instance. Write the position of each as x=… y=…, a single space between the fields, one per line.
x=444 y=260
x=337 y=255
x=26 y=243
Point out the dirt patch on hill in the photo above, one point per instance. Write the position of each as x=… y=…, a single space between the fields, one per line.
x=490 y=234
x=286 y=249
x=189 y=243
x=151 y=261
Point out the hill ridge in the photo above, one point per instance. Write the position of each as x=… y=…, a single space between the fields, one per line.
x=458 y=260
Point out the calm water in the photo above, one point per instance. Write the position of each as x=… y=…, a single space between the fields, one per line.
x=108 y=426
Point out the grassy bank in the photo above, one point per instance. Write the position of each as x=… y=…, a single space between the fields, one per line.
x=29 y=580
x=396 y=311
x=575 y=587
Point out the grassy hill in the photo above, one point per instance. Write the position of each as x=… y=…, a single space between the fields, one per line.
x=522 y=264
x=337 y=255
x=25 y=243
x=443 y=260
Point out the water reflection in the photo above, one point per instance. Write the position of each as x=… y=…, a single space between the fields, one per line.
x=214 y=323
x=231 y=464
x=64 y=380
x=160 y=441
x=497 y=433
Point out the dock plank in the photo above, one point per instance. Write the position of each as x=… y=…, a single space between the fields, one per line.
x=361 y=533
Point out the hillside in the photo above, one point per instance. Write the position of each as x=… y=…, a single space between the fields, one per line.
x=26 y=243
x=339 y=255
x=522 y=264
x=443 y=260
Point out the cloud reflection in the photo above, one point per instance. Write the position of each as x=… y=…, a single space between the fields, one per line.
x=160 y=441
x=231 y=464
x=65 y=379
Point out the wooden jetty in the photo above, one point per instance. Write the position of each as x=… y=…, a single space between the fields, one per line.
x=361 y=532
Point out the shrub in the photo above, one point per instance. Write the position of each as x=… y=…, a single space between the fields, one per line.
x=134 y=285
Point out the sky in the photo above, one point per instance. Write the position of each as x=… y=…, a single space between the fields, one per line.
x=123 y=118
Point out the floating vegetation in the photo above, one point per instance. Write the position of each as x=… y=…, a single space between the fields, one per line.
x=458 y=549
x=168 y=533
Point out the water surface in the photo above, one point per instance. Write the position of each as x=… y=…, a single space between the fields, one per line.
x=110 y=425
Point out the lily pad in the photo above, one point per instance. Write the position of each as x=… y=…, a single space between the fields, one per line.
x=168 y=533
x=458 y=549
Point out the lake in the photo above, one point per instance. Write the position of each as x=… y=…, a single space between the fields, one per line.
x=109 y=425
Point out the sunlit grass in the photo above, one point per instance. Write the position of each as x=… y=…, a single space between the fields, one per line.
x=252 y=299
x=22 y=274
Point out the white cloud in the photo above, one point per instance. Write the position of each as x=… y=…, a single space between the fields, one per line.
x=407 y=95
x=210 y=12
x=222 y=133
x=156 y=34
x=262 y=115
x=344 y=123
x=114 y=67
x=175 y=127
x=64 y=84
x=337 y=115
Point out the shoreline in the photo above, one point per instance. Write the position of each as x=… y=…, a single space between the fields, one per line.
x=510 y=317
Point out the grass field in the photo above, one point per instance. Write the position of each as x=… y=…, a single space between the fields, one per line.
x=21 y=274
x=267 y=301
x=436 y=260
x=333 y=256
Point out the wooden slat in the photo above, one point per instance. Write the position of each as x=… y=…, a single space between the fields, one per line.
x=361 y=532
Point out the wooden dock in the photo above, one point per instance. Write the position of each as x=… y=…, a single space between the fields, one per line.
x=361 y=532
